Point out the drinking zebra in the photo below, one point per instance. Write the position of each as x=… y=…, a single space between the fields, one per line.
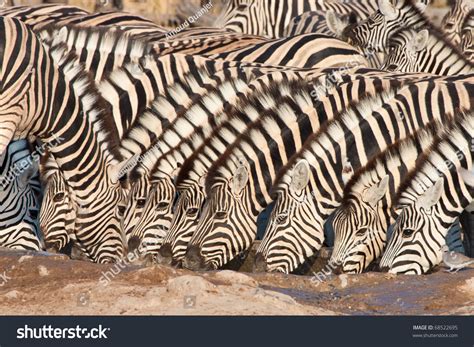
x=430 y=200
x=311 y=186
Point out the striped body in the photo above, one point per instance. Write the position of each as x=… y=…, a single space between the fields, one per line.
x=430 y=201
x=360 y=224
x=228 y=222
x=30 y=81
x=19 y=198
x=295 y=230
x=270 y=18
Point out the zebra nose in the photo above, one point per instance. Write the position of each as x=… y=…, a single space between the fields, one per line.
x=337 y=270
x=51 y=247
x=260 y=264
x=133 y=244
x=193 y=260
x=379 y=268
x=165 y=255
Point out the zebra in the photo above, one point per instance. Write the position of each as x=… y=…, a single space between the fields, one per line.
x=467 y=36
x=199 y=121
x=316 y=51
x=327 y=23
x=425 y=51
x=42 y=15
x=430 y=200
x=295 y=230
x=190 y=181
x=90 y=170
x=360 y=224
x=20 y=195
x=374 y=32
x=270 y=18
x=452 y=23
x=104 y=49
x=234 y=198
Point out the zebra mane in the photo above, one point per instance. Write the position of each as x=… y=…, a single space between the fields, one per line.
x=390 y=157
x=112 y=40
x=48 y=166
x=91 y=102
x=227 y=87
x=267 y=103
x=432 y=163
x=333 y=128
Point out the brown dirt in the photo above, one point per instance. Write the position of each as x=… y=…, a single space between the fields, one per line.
x=41 y=284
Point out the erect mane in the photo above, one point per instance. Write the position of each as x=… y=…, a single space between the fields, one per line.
x=423 y=163
x=90 y=99
x=266 y=102
x=430 y=130
x=331 y=126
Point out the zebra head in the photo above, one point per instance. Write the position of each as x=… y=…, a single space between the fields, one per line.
x=228 y=224
x=243 y=16
x=418 y=235
x=406 y=51
x=374 y=32
x=136 y=201
x=454 y=19
x=156 y=217
x=284 y=248
x=185 y=221
x=57 y=214
x=467 y=36
x=360 y=229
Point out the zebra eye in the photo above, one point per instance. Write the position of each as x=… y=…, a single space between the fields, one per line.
x=192 y=211
x=121 y=210
x=408 y=232
x=221 y=215
x=141 y=203
x=59 y=197
x=361 y=232
x=161 y=206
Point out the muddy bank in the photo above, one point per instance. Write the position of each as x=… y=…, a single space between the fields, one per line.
x=32 y=283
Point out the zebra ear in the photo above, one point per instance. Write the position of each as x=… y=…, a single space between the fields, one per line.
x=239 y=180
x=117 y=171
x=431 y=196
x=376 y=192
x=421 y=40
x=467 y=176
x=300 y=176
x=334 y=23
x=387 y=9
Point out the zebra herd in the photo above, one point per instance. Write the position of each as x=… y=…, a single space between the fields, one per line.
x=118 y=138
